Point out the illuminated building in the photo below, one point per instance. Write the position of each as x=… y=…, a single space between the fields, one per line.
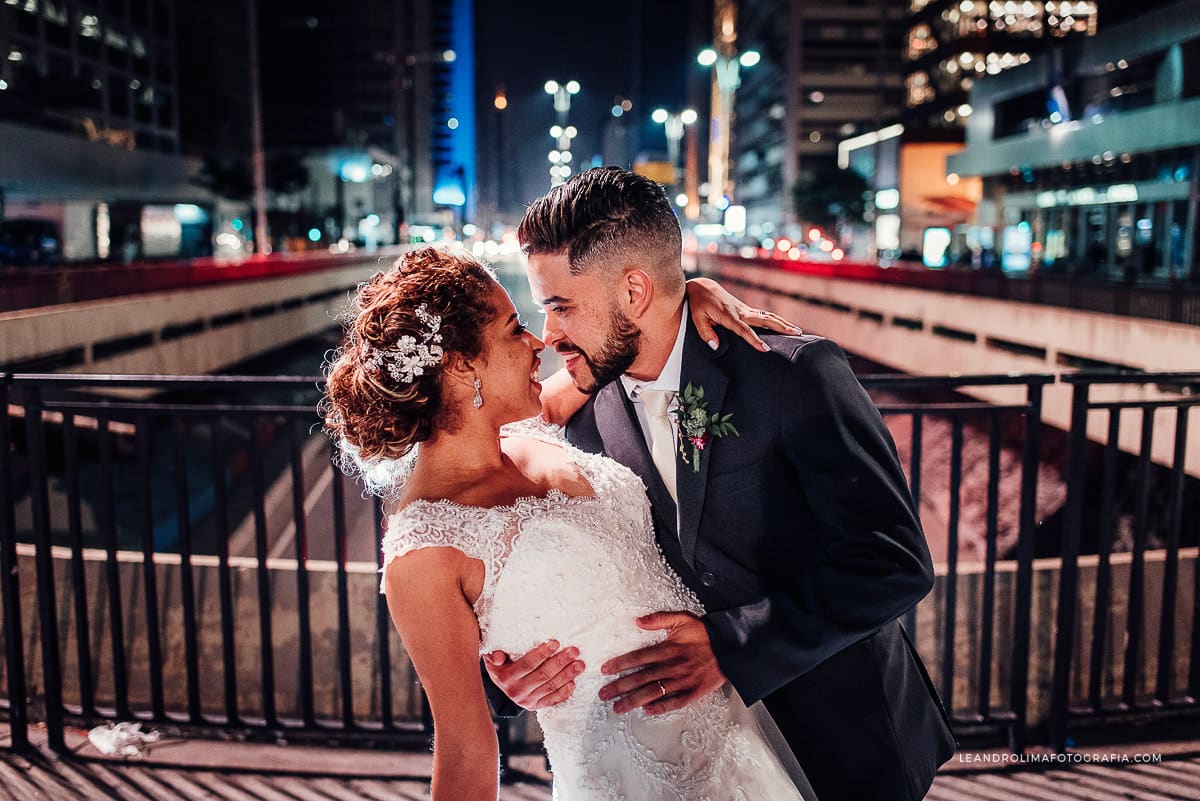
x=830 y=70
x=950 y=44
x=1092 y=169
x=89 y=117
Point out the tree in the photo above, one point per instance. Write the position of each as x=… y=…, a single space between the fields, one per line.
x=827 y=196
x=229 y=179
x=286 y=174
x=232 y=179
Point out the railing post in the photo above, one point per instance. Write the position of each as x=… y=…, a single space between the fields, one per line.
x=1027 y=531
x=1068 y=583
x=47 y=611
x=383 y=629
x=10 y=587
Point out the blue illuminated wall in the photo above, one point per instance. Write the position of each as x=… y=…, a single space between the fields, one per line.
x=454 y=148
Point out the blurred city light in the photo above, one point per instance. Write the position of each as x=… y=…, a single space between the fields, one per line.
x=189 y=213
x=355 y=171
x=735 y=220
x=749 y=58
x=551 y=87
x=707 y=57
x=659 y=115
x=450 y=194
x=887 y=199
x=934 y=246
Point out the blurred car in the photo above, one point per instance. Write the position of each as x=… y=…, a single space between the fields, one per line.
x=29 y=242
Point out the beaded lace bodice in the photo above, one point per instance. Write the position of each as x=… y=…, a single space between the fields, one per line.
x=581 y=569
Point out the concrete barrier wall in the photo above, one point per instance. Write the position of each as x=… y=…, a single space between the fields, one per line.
x=921 y=332
x=224 y=323
x=362 y=581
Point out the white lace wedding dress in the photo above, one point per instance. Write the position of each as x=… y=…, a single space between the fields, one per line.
x=579 y=570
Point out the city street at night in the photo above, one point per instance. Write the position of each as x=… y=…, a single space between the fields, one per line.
x=274 y=497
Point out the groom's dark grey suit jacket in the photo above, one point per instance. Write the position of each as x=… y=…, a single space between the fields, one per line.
x=802 y=540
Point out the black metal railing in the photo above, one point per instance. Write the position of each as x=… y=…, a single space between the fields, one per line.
x=193 y=559
x=1136 y=698
x=980 y=717
x=137 y=451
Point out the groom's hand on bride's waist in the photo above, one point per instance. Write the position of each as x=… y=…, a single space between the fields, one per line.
x=543 y=677
x=666 y=676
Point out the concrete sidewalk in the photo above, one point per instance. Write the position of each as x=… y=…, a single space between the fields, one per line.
x=214 y=771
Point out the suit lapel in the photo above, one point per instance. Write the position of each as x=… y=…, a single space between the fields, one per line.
x=622 y=436
x=700 y=369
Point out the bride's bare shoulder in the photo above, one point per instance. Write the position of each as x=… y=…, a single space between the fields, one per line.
x=531 y=451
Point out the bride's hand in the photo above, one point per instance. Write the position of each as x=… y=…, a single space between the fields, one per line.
x=711 y=306
x=541 y=678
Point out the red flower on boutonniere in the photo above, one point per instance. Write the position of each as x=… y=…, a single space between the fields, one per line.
x=697 y=426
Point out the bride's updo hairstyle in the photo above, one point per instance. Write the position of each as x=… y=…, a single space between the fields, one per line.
x=383 y=392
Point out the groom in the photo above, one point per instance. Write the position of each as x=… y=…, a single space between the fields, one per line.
x=797 y=530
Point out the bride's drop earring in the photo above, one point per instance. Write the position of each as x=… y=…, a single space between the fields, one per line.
x=478 y=402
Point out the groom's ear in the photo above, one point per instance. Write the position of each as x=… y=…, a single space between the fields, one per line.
x=637 y=292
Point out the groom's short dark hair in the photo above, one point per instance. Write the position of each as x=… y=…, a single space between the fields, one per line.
x=608 y=218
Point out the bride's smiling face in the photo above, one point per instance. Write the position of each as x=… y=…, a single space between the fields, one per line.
x=509 y=366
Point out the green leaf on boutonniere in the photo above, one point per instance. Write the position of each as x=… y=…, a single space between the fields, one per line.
x=696 y=426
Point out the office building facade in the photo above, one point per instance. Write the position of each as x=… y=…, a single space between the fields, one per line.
x=1092 y=169
x=843 y=77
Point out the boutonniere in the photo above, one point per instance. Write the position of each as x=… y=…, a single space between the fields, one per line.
x=697 y=425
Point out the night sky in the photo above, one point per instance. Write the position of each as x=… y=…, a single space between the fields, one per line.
x=523 y=44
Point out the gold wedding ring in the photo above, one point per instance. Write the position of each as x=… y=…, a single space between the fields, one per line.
x=662 y=689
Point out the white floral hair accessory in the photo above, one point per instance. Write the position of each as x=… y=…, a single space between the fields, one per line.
x=409 y=358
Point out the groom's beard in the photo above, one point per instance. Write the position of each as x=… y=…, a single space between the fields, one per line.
x=614 y=357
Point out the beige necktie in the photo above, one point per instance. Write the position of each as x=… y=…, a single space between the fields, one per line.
x=662 y=434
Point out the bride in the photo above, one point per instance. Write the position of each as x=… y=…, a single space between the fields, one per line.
x=500 y=537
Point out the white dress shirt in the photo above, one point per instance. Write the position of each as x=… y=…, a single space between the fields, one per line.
x=667 y=380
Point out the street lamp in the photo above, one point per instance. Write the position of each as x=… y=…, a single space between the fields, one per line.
x=562 y=93
x=561 y=132
x=726 y=66
x=673 y=125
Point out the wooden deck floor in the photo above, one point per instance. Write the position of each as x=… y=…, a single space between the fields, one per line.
x=204 y=771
